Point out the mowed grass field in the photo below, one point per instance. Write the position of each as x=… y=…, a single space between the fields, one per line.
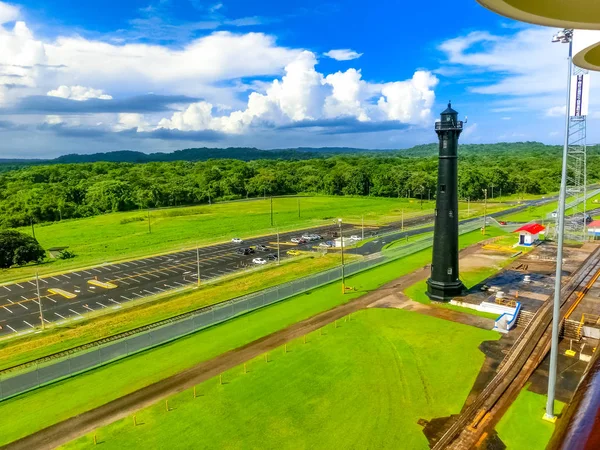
x=541 y=212
x=119 y=236
x=522 y=427
x=43 y=407
x=364 y=384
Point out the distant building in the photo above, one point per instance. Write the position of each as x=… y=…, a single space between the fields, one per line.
x=593 y=229
x=529 y=234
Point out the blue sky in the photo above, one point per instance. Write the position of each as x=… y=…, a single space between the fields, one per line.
x=169 y=74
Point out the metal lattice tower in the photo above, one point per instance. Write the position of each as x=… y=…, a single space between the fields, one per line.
x=575 y=211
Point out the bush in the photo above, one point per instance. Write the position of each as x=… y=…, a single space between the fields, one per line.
x=66 y=254
x=18 y=248
x=132 y=219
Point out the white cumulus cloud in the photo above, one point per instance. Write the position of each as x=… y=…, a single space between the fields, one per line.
x=8 y=12
x=411 y=100
x=79 y=93
x=343 y=54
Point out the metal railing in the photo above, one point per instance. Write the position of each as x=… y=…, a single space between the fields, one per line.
x=37 y=375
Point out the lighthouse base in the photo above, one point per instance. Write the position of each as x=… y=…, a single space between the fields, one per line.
x=442 y=291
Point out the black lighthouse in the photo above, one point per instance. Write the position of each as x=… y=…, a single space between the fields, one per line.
x=444 y=282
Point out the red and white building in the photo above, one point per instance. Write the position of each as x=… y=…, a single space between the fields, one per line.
x=593 y=229
x=529 y=234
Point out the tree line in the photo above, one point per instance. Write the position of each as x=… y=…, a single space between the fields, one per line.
x=43 y=193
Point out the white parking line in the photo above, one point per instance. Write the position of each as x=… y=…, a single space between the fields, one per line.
x=62 y=317
x=133 y=262
x=177 y=282
x=36 y=302
x=149 y=292
x=19 y=285
x=55 y=279
x=122 y=296
x=89 y=273
x=8 y=289
x=50 y=298
x=145 y=278
x=7 y=309
x=22 y=305
x=24 y=298
x=96 y=270
x=137 y=295
x=31 y=283
x=44 y=281
x=28 y=324
x=75 y=312
x=66 y=276
x=87 y=307
x=114 y=301
x=124 y=264
x=161 y=290
x=8 y=326
x=77 y=273
x=124 y=282
x=98 y=303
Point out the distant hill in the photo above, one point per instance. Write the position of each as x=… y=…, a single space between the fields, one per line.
x=196 y=154
x=300 y=153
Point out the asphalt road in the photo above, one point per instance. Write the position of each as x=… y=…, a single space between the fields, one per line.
x=68 y=297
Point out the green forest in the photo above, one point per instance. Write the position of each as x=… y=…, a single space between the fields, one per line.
x=51 y=192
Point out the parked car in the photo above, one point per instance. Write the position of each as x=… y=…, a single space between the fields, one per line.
x=293 y=252
x=502 y=222
x=272 y=257
x=355 y=237
x=245 y=251
x=324 y=244
x=259 y=261
x=237 y=240
x=261 y=248
x=307 y=237
x=296 y=240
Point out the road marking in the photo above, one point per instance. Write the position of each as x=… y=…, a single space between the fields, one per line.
x=98 y=303
x=102 y=284
x=50 y=298
x=87 y=307
x=133 y=262
x=8 y=326
x=22 y=305
x=31 y=283
x=149 y=292
x=62 y=317
x=9 y=300
x=77 y=273
x=28 y=324
x=161 y=290
x=114 y=301
x=89 y=273
x=19 y=285
x=153 y=275
x=145 y=278
x=66 y=276
x=125 y=282
x=44 y=281
x=55 y=279
x=75 y=312
x=46 y=320
x=137 y=295
x=24 y=298
x=36 y=302
x=62 y=292
x=96 y=270
x=7 y=309
x=7 y=288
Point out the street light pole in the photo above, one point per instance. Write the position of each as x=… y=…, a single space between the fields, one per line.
x=198 y=263
x=484 y=209
x=565 y=36
x=343 y=264
x=278 y=247
x=363 y=227
x=271 y=211
x=37 y=286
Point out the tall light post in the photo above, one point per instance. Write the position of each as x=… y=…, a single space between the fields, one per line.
x=198 y=264
x=484 y=209
x=564 y=37
x=37 y=286
x=363 y=227
x=278 y=249
x=343 y=263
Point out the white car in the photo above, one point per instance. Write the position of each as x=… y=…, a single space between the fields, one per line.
x=237 y=240
x=259 y=261
x=295 y=240
x=354 y=237
x=324 y=244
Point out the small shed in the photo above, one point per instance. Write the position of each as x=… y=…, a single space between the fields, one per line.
x=529 y=234
x=593 y=229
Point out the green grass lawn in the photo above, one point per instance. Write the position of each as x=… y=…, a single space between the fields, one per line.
x=362 y=385
x=48 y=405
x=118 y=236
x=522 y=427
x=541 y=212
